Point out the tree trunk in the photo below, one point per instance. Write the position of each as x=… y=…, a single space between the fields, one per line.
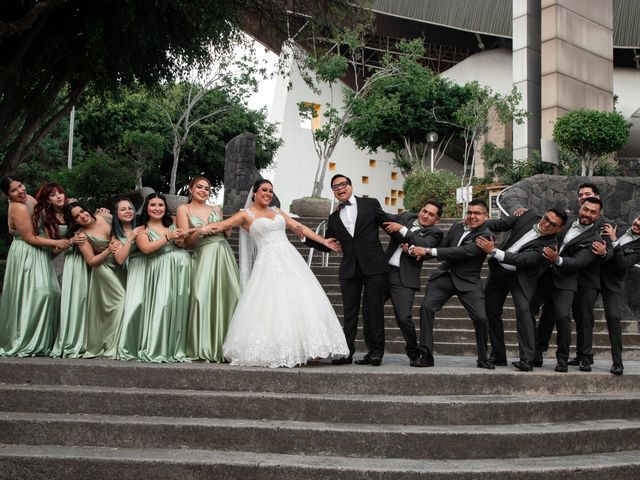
x=583 y=167
x=174 y=167
x=318 y=183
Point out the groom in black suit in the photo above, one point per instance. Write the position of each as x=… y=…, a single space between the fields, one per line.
x=408 y=232
x=355 y=224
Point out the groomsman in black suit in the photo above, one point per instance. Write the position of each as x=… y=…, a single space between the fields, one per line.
x=626 y=253
x=408 y=233
x=459 y=275
x=355 y=224
x=557 y=286
x=515 y=267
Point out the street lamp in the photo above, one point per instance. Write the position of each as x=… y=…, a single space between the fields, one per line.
x=432 y=138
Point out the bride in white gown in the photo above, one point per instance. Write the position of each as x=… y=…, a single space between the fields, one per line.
x=283 y=317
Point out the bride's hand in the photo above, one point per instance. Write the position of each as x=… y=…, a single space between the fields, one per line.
x=333 y=244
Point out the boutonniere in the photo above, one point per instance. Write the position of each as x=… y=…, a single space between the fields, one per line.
x=584 y=245
x=628 y=251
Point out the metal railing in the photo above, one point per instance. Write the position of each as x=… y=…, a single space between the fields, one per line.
x=322 y=226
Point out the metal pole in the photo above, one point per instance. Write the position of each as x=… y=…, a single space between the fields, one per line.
x=432 y=157
x=72 y=119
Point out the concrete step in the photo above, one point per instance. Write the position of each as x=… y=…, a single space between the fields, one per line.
x=451 y=376
x=55 y=462
x=467 y=347
x=370 y=409
x=324 y=438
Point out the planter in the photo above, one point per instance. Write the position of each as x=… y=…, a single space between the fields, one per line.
x=311 y=207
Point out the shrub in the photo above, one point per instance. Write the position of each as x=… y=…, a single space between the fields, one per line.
x=441 y=185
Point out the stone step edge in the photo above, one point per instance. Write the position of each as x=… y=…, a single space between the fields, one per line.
x=192 y=460
x=292 y=426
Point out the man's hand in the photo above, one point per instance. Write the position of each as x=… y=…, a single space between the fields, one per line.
x=550 y=254
x=610 y=231
x=333 y=244
x=520 y=211
x=599 y=248
x=485 y=244
x=420 y=252
x=392 y=227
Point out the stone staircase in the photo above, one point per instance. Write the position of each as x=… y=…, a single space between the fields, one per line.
x=453 y=330
x=100 y=419
x=66 y=418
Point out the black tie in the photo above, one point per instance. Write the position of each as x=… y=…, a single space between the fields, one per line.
x=341 y=205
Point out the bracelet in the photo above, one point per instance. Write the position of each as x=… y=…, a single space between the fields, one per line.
x=167 y=237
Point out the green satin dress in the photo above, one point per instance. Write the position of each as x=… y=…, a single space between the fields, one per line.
x=215 y=289
x=130 y=336
x=167 y=289
x=30 y=305
x=106 y=302
x=76 y=278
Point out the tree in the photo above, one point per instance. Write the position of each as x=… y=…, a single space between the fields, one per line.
x=400 y=112
x=329 y=69
x=482 y=109
x=51 y=50
x=591 y=136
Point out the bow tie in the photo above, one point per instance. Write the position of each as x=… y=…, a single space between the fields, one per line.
x=634 y=236
x=341 y=205
x=579 y=226
x=536 y=228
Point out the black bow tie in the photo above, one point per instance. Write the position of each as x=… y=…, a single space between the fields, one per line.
x=341 y=205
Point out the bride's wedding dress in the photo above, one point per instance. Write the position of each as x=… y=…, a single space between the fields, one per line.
x=283 y=317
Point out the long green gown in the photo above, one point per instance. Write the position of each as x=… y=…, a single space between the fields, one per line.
x=106 y=302
x=168 y=285
x=30 y=305
x=215 y=290
x=76 y=279
x=130 y=336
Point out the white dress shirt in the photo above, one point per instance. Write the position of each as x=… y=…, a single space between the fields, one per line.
x=515 y=248
x=395 y=258
x=349 y=214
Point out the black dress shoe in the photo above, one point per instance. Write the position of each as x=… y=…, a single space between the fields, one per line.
x=523 y=365
x=485 y=364
x=574 y=362
x=584 y=366
x=375 y=361
x=498 y=362
x=537 y=363
x=342 y=360
x=422 y=361
x=366 y=360
x=617 y=369
x=561 y=368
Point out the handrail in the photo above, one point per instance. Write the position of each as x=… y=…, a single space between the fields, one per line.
x=325 y=256
x=504 y=212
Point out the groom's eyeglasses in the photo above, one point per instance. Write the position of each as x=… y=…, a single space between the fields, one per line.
x=338 y=186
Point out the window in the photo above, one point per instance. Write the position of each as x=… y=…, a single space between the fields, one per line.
x=332 y=166
x=372 y=163
x=394 y=193
x=365 y=180
x=387 y=201
x=310 y=118
x=394 y=175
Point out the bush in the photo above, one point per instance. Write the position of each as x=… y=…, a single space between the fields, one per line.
x=440 y=185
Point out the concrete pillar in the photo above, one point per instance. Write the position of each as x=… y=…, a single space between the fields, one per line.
x=526 y=75
x=577 y=58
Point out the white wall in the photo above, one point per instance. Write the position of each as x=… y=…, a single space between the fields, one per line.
x=296 y=161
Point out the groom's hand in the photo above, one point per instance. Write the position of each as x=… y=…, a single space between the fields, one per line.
x=392 y=227
x=333 y=244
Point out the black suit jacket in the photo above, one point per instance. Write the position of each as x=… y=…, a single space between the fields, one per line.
x=364 y=248
x=590 y=275
x=424 y=237
x=614 y=271
x=464 y=261
x=529 y=262
x=576 y=255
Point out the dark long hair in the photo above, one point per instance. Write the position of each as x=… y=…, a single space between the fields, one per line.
x=144 y=216
x=44 y=212
x=116 y=226
x=68 y=218
x=256 y=186
x=5 y=184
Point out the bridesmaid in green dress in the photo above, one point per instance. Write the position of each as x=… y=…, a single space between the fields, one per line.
x=107 y=286
x=30 y=305
x=215 y=285
x=167 y=286
x=50 y=212
x=125 y=252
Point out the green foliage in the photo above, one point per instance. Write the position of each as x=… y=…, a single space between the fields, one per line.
x=441 y=185
x=591 y=135
x=504 y=170
x=96 y=178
